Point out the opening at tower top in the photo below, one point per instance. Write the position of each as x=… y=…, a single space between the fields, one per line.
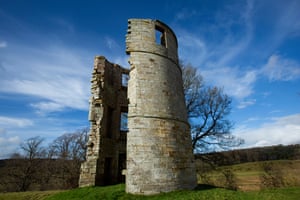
x=160 y=36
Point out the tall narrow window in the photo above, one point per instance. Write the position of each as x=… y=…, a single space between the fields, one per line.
x=109 y=120
x=124 y=122
x=160 y=36
x=125 y=78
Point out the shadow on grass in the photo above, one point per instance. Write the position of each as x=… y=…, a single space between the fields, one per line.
x=205 y=187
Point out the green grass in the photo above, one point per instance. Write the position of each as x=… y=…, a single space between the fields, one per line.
x=117 y=192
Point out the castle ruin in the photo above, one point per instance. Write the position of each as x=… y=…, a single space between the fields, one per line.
x=140 y=125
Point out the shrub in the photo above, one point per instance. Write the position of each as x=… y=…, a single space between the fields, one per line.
x=272 y=176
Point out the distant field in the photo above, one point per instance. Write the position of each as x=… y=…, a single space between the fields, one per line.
x=37 y=195
x=247 y=176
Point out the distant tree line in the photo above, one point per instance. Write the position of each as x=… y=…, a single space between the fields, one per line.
x=37 y=167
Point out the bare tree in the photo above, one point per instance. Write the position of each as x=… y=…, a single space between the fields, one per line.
x=32 y=148
x=70 y=150
x=24 y=170
x=208 y=109
x=70 y=146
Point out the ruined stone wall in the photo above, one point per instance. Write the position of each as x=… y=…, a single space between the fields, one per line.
x=107 y=143
x=159 y=151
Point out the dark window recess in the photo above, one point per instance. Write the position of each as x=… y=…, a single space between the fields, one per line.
x=107 y=171
x=109 y=119
x=125 y=78
x=160 y=36
x=122 y=166
x=110 y=77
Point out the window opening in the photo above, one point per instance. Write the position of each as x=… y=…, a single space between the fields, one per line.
x=124 y=122
x=125 y=78
x=109 y=119
x=160 y=36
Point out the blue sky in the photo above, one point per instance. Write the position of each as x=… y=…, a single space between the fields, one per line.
x=250 y=48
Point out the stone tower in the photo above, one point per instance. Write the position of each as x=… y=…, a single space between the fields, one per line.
x=159 y=150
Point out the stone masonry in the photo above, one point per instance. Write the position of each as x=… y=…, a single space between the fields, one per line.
x=159 y=151
x=158 y=156
x=106 y=149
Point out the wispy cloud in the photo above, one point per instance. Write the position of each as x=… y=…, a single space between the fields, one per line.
x=214 y=57
x=45 y=67
x=236 y=83
x=233 y=45
x=63 y=24
x=57 y=75
x=192 y=48
x=287 y=21
x=222 y=61
x=111 y=43
x=281 y=69
x=184 y=14
x=47 y=107
x=3 y=44
x=19 y=122
x=8 y=145
x=246 y=103
x=282 y=130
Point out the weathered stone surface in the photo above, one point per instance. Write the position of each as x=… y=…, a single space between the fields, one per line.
x=106 y=152
x=159 y=152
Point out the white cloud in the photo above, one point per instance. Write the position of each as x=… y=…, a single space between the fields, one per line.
x=185 y=14
x=233 y=43
x=281 y=69
x=61 y=92
x=3 y=44
x=8 y=145
x=47 y=107
x=236 y=83
x=192 y=48
x=246 y=103
x=215 y=47
x=287 y=21
x=2 y=131
x=18 y=122
x=56 y=74
x=111 y=43
x=63 y=24
x=283 y=130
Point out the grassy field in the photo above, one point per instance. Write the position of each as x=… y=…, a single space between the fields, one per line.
x=248 y=175
x=247 y=178
x=117 y=192
x=38 y=195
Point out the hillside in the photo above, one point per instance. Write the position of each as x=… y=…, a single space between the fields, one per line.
x=55 y=174
x=279 y=152
x=253 y=175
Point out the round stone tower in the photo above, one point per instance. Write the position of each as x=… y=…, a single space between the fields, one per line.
x=159 y=150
